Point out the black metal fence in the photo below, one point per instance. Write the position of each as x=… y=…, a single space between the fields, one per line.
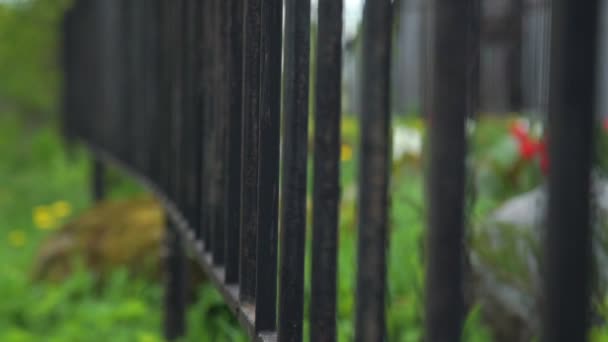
x=206 y=102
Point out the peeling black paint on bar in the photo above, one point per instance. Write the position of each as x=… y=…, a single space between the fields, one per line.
x=294 y=169
x=268 y=194
x=250 y=146
x=572 y=100
x=450 y=105
x=326 y=174
x=235 y=79
x=373 y=172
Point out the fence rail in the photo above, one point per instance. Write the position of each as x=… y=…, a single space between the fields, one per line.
x=206 y=103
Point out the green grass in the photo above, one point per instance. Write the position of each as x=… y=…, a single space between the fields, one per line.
x=35 y=170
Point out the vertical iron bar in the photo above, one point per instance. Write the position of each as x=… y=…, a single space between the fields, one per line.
x=131 y=44
x=250 y=149
x=175 y=287
x=208 y=102
x=373 y=172
x=326 y=180
x=219 y=227
x=163 y=91
x=185 y=138
x=110 y=76
x=176 y=260
x=151 y=83
x=184 y=127
x=212 y=120
x=190 y=186
x=141 y=126
x=198 y=119
x=572 y=100
x=235 y=79
x=451 y=103
x=294 y=170
x=99 y=183
x=88 y=103
x=123 y=124
x=515 y=56
x=176 y=96
x=126 y=94
x=269 y=130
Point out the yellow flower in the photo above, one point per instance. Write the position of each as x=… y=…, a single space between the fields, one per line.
x=346 y=152
x=61 y=209
x=43 y=218
x=17 y=238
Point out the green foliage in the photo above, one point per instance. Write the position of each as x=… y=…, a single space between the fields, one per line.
x=209 y=319
x=474 y=331
x=35 y=170
x=75 y=309
x=125 y=309
x=29 y=57
x=600 y=333
x=499 y=170
x=406 y=272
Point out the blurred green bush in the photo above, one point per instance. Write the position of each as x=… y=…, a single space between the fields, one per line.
x=30 y=62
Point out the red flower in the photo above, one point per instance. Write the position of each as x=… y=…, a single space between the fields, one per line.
x=527 y=145
x=519 y=131
x=530 y=147
x=527 y=149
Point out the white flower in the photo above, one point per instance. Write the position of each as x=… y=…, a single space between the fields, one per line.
x=406 y=141
x=537 y=128
x=470 y=125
